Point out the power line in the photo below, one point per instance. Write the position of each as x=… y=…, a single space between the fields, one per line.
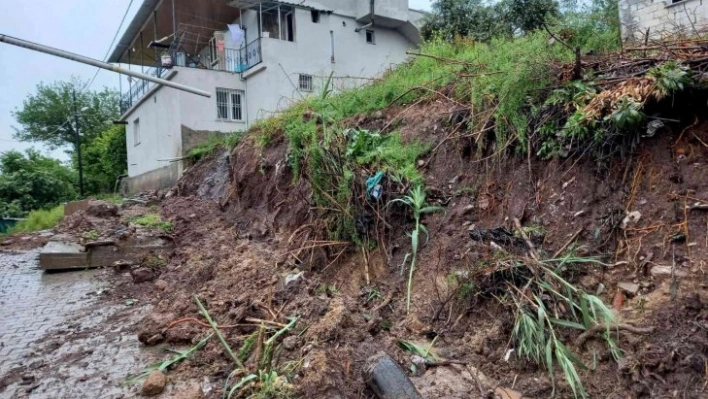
x=105 y=57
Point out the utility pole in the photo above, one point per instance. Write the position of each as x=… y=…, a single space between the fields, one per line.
x=78 y=145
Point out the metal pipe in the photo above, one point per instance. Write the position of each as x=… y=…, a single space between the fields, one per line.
x=371 y=19
x=99 y=64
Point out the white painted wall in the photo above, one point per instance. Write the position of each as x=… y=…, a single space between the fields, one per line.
x=266 y=92
x=160 y=135
x=662 y=17
x=163 y=113
x=273 y=89
x=199 y=113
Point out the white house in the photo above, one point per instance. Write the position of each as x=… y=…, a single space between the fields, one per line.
x=255 y=57
x=661 y=18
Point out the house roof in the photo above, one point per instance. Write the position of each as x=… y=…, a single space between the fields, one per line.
x=141 y=17
x=155 y=20
x=255 y=4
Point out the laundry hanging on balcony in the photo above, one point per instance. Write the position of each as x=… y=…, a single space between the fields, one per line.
x=237 y=34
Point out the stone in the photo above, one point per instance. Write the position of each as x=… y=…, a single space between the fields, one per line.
x=505 y=393
x=161 y=285
x=665 y=271
x=154 y=384
x=629 y=288
x=101 y=209
x=192 y=391
x=631 y=218
x=141 y=275
x=290 y=342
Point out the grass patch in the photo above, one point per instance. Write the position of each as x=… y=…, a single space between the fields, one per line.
x=115 y=199
x=153 y=220
x=228 y=141
x=39 y=220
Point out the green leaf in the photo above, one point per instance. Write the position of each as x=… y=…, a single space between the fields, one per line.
x=567 y=323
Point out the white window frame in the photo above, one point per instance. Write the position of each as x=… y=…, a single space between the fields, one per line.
x=305 y=82
x=373 y=36
x=229 y=104
x=136 y=132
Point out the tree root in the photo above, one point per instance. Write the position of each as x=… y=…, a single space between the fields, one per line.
x=580 y=341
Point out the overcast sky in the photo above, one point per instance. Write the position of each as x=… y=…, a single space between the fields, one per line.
x=81 y=26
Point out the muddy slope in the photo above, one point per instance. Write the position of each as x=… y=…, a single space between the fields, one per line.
x=243 y=252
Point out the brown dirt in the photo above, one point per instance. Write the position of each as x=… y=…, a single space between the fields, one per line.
x=235 y=254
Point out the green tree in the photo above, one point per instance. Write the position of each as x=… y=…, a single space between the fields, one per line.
x=47 y=116
x=482 y=21
x=105 y=159
x=31 y=181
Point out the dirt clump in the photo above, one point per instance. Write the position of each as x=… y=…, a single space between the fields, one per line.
x=154 y=383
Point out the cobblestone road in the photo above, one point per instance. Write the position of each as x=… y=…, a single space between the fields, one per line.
x=32 y=302
x=58 y=339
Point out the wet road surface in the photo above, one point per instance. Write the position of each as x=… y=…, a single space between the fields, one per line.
x=58 y=338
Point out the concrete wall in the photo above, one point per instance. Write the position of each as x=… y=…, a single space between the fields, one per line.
x=663 y=18
x=163 y=112
x=275 y=88
x=159 y=119
x=199 y=113
x=161 y=178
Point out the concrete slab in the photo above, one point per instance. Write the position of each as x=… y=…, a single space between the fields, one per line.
x=57 y=255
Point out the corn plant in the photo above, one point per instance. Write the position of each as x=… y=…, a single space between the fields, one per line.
x=416 y=201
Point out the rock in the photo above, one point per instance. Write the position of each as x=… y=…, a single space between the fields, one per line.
x=466 y=210
x=291 y=342
x=378 y=115
x=629 y=288
x=505 y=393
x=141 y=275
x=483 y=203
x=192 y=391
x=154 y=384
x=421 y=162
x=665 y=271
x=631 y=218
x=161 y=285
x=101 y=209
x=293 y=277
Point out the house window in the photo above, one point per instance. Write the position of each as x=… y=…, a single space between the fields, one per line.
x=370 y=38
x=315 y=16
x=229 y=104
x=278 y=23
x=305 y=82
x=136 y=132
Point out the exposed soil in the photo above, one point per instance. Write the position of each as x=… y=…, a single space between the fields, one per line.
x=236 y=253
x=247 y=252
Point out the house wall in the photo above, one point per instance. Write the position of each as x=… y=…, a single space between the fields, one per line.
x=199 y=113
x=166 y=113
x=663 y=18
x=159 y=132
x=163 y=113
x=355 y=60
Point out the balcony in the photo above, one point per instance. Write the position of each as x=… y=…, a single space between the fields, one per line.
x=213 y=59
